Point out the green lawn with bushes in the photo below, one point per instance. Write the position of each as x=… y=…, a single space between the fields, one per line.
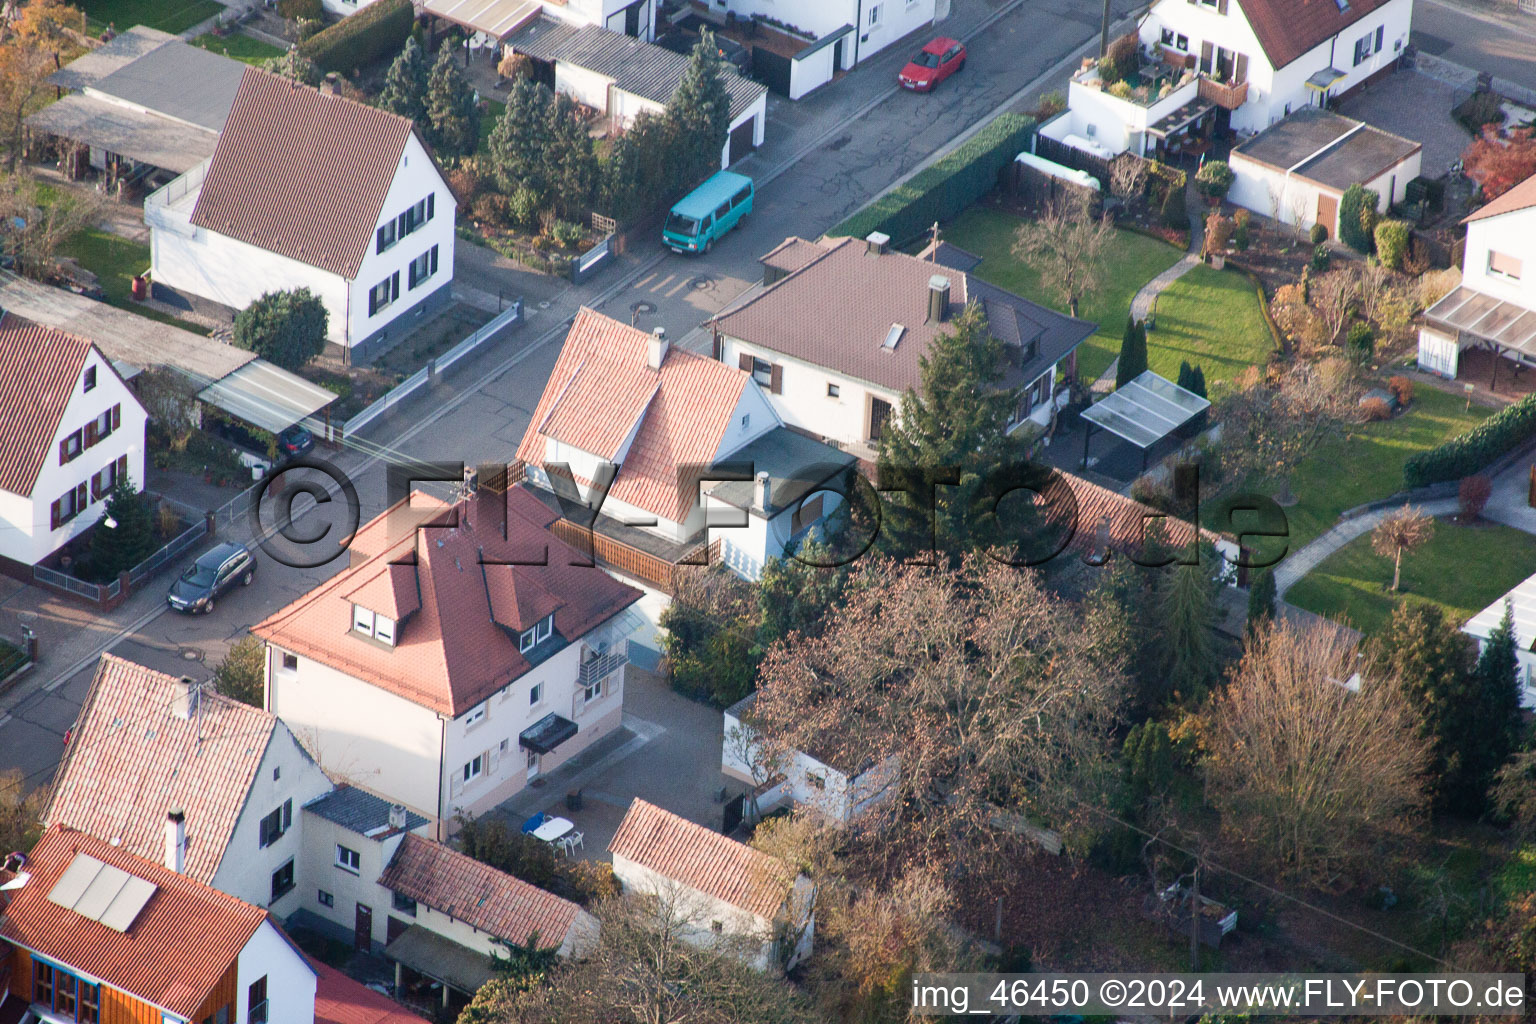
x=1463 y=569
x=1212 y=319
x=115 y=260
x=238 y=46
x=174 y=16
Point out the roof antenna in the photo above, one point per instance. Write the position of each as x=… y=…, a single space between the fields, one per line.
x=933 y=248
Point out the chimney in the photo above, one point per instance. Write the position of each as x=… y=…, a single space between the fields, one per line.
x=176 y=840
x=875 y=242
x=184 y=698
x=397 y=817
x=762 y=491
x=938 y=299
x=656 y=348
x=331 y=84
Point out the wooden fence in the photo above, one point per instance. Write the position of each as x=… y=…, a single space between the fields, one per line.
x=614 y=554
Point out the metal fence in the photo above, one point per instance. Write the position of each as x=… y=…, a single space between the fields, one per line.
x=585 y=265
x=157 y=561
x=97 y=592
x=505 y=318
x=399 y=393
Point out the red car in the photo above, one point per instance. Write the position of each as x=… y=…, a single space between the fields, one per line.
x=937 y=61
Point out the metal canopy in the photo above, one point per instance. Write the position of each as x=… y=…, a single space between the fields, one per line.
x=496 y=18
x=1146 y=410
x=547 y=733
x=1180 y=119
x=139 y=135
x=1505 y=324
x=440 y=959
x=267 y=396
x=1323 y=80
x=1522 y=604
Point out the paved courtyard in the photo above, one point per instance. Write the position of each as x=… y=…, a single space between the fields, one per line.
x=1416 y=106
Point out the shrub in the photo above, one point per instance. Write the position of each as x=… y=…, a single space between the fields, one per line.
x=1318 y=235
x=1049 y=105
x=1374 y=409
x=376 y=31
x=1392 y=237
x=1218 y=232
x=1357 y=212
x=1120 y=90
x=293 y=10
x=1175 y=212
x=464 y=183
x=1240 y=235
x=524 y=207
x=1479 y=109
x=287 y=328
x=1360 y=343
x=566 y=234
x=1402 y=389
x=1472 y=495
x=1320 y=257
x=490 y=208
x=1109 y=72
x=1470 y=452
x=1214 y=179
x=951 y=184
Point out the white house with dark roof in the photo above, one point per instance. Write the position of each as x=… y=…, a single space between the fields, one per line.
x=147 y=744
x=1237 y=65
x=836 y=335
x=465 y=651
x=308 y=189
x=71 y=430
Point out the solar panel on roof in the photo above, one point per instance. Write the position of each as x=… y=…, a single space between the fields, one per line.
x=66 y=892
x=101 y=892
x=120 y=915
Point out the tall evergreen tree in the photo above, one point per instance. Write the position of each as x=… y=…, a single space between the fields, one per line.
x=956 y=420
x=570 y=161
x=1432 y=661
x=451 y=108
x=1261 y=600
x=701 y=109
x=1133 y=353
x=405 y=87
x=1498 y=699
x=1188 y=620
x=131 y=539
x=520 y=139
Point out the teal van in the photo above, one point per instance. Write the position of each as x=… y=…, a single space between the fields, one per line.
x=708 y=212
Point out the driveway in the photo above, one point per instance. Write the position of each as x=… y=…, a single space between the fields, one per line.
x=1416 y=106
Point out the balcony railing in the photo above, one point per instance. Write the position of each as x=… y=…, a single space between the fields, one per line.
x=598 y=668
x=1228 y=97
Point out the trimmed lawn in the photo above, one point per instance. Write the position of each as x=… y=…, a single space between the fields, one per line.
x=114 y=260
x=174 y=16
x=1210 y=318
x=239 y=46
x=1463 y=569
x=1364 y=463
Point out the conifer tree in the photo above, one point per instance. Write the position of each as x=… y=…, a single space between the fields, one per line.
x=1189 y=618
x=131 y=537
x=405 y=87
x=520 y=139
x=701 y=109
x=1261 y=600
x=570 y=161
x=1133 y=353
x=1498 y=699
x=451 y=108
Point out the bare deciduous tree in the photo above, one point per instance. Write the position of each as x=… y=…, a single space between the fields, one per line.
x=33 y=230
x=980 y=689
x=1066 y=244
x=21 y=811
x=1127 y=177
x=1270 y=425
x=1305 y=770
x=1402 y=530
x=1374 y=287
x=1334 y=296
x=1298 y=203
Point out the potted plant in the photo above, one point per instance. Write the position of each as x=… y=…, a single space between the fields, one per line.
x=1213 y=180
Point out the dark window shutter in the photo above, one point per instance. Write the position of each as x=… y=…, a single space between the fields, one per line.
x=434 y=259
x=63 y=451
x=431 y=204
x=117 y=416
x=776 y=379
x=122 y=465
x=373 y=301
x=745 y=362
x=287 y=815
x=394 y=286
x=1241 y=74
x=1205 y=57
x=80 y=496
x=96 y=485
x=53 y=516
x=90 y=433
x=378 y=240
x=715 y=346
x=401 y=229
x=1380 y=31
x=1221 y=6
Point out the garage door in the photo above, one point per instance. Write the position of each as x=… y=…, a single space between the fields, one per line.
x=741 y=138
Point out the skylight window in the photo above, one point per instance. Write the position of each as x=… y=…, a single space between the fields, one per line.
x=893 y=337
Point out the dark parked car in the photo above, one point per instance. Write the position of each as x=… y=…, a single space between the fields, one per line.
x=294 y=441
x=681 y=40
x=217 y=570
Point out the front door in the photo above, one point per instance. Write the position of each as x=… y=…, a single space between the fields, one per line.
x=741 y=139
x=1328 y=212
x=879 y=415
x=533 y=766
x=362 y=934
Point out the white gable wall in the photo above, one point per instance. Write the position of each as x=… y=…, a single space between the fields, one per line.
x=290 y=981
x=1509 y=235
x=700 y=912
x=803 y=401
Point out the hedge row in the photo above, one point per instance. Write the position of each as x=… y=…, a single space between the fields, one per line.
x=1469 y=453
x=952 y=183
x=373 y=33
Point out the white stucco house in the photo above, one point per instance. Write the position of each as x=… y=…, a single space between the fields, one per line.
x=623 y=76
x=308 y=189
x=1493 y=312
x=837 y=334
x=1521 y=605
x=450 y=665
x=669 y=429
x=838 y=793
x=148 y=744
x=71 y=429
x=489 y=22
x=720 y=891
x=1297 y=169
x=1233 y=65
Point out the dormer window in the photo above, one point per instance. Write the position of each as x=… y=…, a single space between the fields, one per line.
x=369 y=624
x=531 y=638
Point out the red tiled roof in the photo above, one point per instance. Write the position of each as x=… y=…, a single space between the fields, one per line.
x=702 y=859
x=478 y=894
x=173 y=954
x=393 y=593
x=1287 y=29
x=131 y=760
x=1126 y=520
x=301 y=173
x=1522 y=196
x=340 y=1000
x=602 y=384
x=450 y=654
x=39 y=368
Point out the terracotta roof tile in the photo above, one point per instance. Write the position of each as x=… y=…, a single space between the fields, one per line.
x=131 y=760
x=702 y=859
x=1103 y=514
x=301 y=173
x=393 y=593
x=175 y=951
x=450 y=654
x=1287 y=29
x=478 y=894
x=1521 y=197
x=602 y=382
x=39 y=367
x=340 y=1000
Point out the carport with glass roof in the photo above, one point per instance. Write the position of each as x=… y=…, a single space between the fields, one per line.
x=1142 y=412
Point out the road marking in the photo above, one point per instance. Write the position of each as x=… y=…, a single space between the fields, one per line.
x=659 y=285
x=85 y=663
x=3 y=720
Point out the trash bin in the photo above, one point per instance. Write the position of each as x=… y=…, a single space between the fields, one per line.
x=573 y=801
x=140 y=288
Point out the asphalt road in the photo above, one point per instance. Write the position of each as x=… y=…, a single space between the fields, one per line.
x=1479 y=36
x=825 y=157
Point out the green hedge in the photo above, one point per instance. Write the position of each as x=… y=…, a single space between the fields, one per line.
x=1469 y=453
x=373 y=33
x=941 y=191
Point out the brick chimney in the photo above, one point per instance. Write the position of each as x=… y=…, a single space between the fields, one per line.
x=184 y=698
x=176 y=840
x=656 y=348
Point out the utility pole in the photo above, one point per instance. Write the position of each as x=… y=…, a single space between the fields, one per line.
x=1104 y=33
x=1194 y=921
x=933 y=249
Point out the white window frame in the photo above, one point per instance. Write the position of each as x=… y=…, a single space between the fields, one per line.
x=535 y=695
x=384 y=630
x=473 y=769
x=476 y=715
x=593 y=692
x=362 y=620
x=874 y=16
x=1506 y=275
x=349 y=860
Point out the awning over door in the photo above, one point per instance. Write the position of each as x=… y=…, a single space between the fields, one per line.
x=546 y=734
x=1322 y=81
x=267 y=396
